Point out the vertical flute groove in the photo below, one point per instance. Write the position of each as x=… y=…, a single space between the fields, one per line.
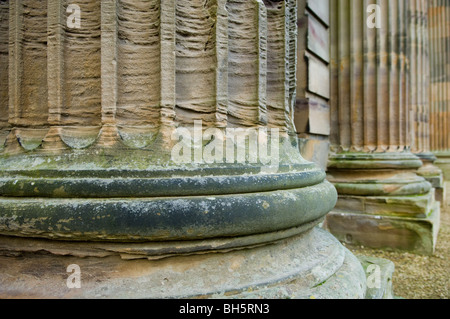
x=168 y=69
x=356 y=75
x=4 y=68
x=247 y=63
x=383 y=79
x=55 y=61
x=344 y=74
x=138 y=63
x=278 y=86
x=196 y=61
x=82 y=70
x=28 y=63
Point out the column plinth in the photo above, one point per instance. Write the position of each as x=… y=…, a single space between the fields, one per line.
x=383 y=202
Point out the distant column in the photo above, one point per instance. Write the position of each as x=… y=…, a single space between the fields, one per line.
x=419 y=64
x=382 y=201
x=439 y=34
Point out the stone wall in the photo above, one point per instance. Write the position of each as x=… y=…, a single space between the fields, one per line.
x=312 y=113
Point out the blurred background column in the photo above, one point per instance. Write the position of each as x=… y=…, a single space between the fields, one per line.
x=383 y=202
x=439 y=55
x=419 y=64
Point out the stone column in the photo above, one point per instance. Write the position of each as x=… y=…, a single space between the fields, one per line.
x=382 y=201
x=419 y=95
x=153 y=146
x=439 y=34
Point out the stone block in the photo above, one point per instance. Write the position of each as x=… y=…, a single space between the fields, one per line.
x=318 y=77
x=417 y=206
x=318 y=38
x=321 y=9
x=417 y=235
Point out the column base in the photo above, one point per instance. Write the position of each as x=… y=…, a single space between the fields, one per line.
x=87 y=196
x=443 y=162
x=311 y=265
x=433 y=175
x=383 y=202
x=397 y=232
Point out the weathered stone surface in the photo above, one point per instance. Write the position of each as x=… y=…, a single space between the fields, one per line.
x=138 y=64
x=166 y=64
x=388 y=232
x=164 y=218
x=401 y=206
x=4 y=72
x=375 y=203
x=247 y=63
x=313 y=264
